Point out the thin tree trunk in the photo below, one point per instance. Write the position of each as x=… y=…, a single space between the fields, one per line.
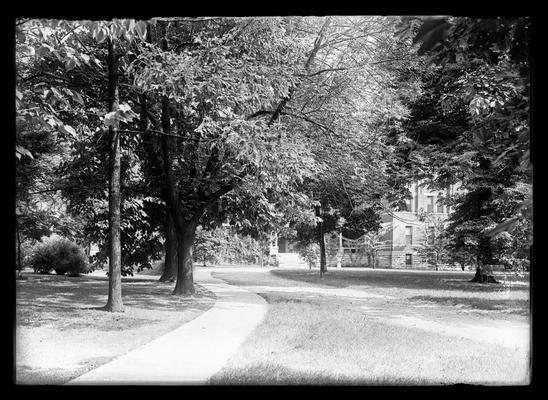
x=323 y=267
x=114 y=302
x=170 y=262
x=19 y=264
x=323 y=263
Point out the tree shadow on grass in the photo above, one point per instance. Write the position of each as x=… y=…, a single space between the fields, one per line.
x=438 y=280
x=44 y=297
x=513 y=306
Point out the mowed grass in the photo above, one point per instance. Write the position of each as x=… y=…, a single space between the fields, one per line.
x=320 y=337
x=437 y=287
x=62 y=331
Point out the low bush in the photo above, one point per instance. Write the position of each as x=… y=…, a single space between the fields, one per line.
x=60 y=255
x=309 y=252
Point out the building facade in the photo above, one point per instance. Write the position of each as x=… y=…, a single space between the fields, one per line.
x=396 y=245
x=404 y=230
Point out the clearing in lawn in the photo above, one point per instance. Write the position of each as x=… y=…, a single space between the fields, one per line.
x=61 y=331
x=383 y=327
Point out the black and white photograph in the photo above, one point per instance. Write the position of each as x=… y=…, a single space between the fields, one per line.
x=290 y=200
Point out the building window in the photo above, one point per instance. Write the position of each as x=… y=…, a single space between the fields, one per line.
x=430 y=204
x=409 y=259
x=440 y=208
x=408 y=235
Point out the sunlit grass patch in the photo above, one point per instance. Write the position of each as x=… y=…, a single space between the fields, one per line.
x=330 y=343
x=409 y=334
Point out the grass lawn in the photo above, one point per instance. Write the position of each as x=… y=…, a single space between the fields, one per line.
x=61 y=331
x=383 y=327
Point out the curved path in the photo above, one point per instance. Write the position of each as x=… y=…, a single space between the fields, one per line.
x=195 y=351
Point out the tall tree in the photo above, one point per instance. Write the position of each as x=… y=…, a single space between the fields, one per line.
x=203 y=95
x=62 y=53
x=346 y=103
x=112 y=31
x=114 y=302
x=471 y=126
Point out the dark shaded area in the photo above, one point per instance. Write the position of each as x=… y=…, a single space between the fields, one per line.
x=281 y=375
x=40 y=295
x=483 y=278
x=515 y=306
x=440 y=280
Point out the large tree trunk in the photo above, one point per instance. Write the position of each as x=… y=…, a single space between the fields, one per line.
x=170 y=262
x=477 y=277
x=483 y=257
x=114 y=302
x=185 y=232
x=185 y=279
x=321 y=240
x=480 y=277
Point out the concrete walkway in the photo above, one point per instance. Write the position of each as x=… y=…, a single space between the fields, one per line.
x=191 y=354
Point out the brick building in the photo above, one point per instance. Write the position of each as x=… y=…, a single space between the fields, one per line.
x=404 y=229
x=395 y=246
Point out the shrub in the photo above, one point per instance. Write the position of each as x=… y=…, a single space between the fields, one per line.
x=309 y=252
x=60 y=255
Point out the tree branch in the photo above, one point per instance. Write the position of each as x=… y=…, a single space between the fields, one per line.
x=321 y=71
x=307 y=66
x=259 y=113
x=211 y=198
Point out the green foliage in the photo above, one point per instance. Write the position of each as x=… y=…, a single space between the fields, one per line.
x=470 y=126
x=141 y=232
x=513 y=245
x=270 y=117
x=60 y=255
x=207 y=246
x=81 y=174
x=435 y=245
x=309 y=252
x=225 y=245
x=26 y=252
